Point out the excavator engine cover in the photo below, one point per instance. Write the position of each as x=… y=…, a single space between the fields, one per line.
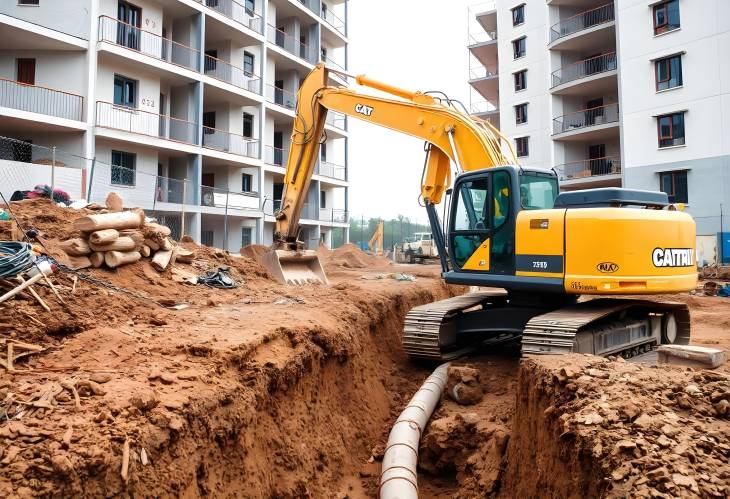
x=295 y=267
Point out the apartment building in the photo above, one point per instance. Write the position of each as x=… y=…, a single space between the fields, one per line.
x=189 y=103
x=632 y=93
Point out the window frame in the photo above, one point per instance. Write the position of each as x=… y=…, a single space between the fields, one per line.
x=322 y=200
x=673 y=175
x=526 y=149
x=671 y=136
x=23 y=3
x=133 y=169
x=248 y=118
x=521 y=112
x=660 y=29
x=246 y=177
x=522 y=39
x=247 y=54
x=252 y=10
x=514 y=10
x=249 y=231
x=668 y=61
x=125 y=80
x=522 y=75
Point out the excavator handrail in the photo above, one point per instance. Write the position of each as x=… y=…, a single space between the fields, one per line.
x=471 y=143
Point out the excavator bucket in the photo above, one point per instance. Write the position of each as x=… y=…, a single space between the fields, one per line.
x=294 y=267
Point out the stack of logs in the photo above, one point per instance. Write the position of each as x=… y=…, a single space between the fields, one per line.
x=120 y=238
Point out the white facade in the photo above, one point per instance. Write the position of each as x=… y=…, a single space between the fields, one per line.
x=186 y=106
x=595 y=94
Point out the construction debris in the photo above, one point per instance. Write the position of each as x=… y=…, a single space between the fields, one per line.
x=691 y=355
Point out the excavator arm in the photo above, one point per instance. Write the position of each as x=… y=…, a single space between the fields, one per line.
x=451 y=135
x=471 y=144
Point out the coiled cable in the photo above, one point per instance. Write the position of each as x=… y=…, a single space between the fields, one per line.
x=15 y=258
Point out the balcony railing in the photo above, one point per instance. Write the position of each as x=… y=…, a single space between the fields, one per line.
x=586 y=118
x=608 y=165
x=147 y=43
x=334 y=64
x=133 y=120
x=224 y=71
x=482 y=72
x=291 y=44
x=332 y=170
x=584 y=20
x=236 y=11
x=282 y=97
x=310 y=4
x=337 y=120
x=222 y=198
x=334 y=21
x=275 y=155
x=41 y=100
x=311 y=211
x=584 y=68
x=225 y=141
x=481 y=37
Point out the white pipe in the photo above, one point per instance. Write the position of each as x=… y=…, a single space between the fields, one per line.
x=398 y=478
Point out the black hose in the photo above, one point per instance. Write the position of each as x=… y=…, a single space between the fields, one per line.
x=15 y=258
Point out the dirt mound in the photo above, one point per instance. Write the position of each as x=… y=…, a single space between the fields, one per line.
x=254 y=251
x=131 y=293
x=350 y=256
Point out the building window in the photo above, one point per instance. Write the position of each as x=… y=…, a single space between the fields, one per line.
x=125 y=91
x=324 y=53
x=666 y=17
x=675 y=185
x=520 y=80
x=250 y=7
x=29 y=2
x=248 y=125
x=668 y=72
x=246 y=236
x=521 y=113
x=25 y=71
x=522 y=146
x=519 y=47
x=246 y=182
x=123 y=168
x=323 y=151
x=206 y=237
x=518 y=15
x=209 y=122
x=322 y=199
x=248 y=64
x=671 y=129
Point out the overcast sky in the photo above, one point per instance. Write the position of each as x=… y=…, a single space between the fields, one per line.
x=414 y=44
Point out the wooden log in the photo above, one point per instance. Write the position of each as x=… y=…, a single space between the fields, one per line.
x=166 y=244
x=161 y=260
x=154 y=245
x=151 y=229
x=135 y=234
x=114 y=202
x=75 y=247
x=114 y=259
x=145 y=251
x=121 y=244
x=184 y=255
x=105 y=236
x=79 y=262
x=122 y=220
x=97 y=259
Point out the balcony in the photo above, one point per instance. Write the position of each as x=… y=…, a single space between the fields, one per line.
x=593 y=121
x=311 y=211
x=41 y=100
x=596 y=172
x=587 y=68
x=141 y=122
x=332 y=170
x=213 y=197
x=275 y=156
x=582 y=22
x=224 y=71
x=485 y=81
x=144 y=42
x=236 y=12
x=483 y=46
x=333 y=21
x=281 y=97
x=337 y=120
x=291 y=44
x=233 y=143
x=486 y=110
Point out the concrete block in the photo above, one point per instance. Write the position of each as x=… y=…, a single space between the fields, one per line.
x=691 y=355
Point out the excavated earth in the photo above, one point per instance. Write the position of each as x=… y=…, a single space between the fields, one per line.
x=273 y=391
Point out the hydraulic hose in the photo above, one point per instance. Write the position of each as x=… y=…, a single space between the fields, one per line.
x=15 y=258
x=398 y=479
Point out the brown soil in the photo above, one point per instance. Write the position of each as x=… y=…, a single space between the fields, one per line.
x=274 y=391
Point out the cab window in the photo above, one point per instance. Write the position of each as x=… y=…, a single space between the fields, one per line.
x=538 y=192
x=470 y=219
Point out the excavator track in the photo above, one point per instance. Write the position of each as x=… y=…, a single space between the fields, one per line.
x=555 y=332
x=429 y=331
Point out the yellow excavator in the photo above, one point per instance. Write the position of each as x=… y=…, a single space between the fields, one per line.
x=376 y=242
x=506 y=227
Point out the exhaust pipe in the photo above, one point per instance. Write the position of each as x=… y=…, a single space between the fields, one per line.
x=398 y=479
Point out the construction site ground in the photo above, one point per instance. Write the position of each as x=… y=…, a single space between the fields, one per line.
x=277 y=391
